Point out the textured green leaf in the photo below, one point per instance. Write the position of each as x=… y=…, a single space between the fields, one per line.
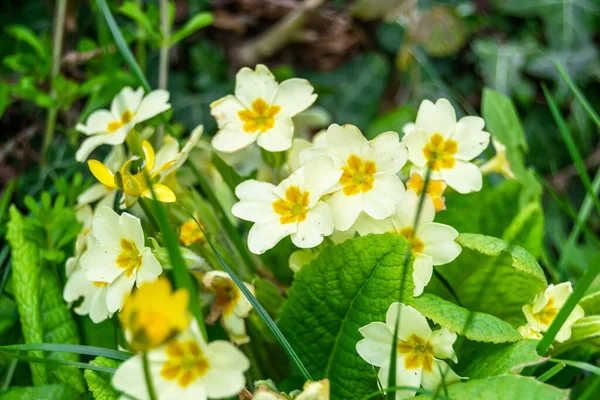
x=481 y=327
x=527 y=229
x=8 y=313
x=99 y=382
x=26 y=288
x=591 y=304
x=494 y=277
x=43 y=392
x=348 y=286
x=585 y=328
x=196 y=22
x=504 y=387
x=481 y=360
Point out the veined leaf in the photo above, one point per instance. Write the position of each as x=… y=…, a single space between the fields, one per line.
x=527 y=229
x=348 y=286
x=479 y=326
x=494 y=277
x=99 y=382
x=43 y=392
x=591 y=304
x=481 y=360
x=504 y=387
x=585 y=328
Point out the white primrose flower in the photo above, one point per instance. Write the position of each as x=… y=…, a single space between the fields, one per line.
x=120 y=259
x=186 y=368
x=261 y=110
x=368 y=182
x=230 y=304
x=299 y=145
x=545 y=307
x=446 y=146
x=85 y=239
x=294 y=207
x=419 y=350
x=93 y=293
x=128 y=108
x=312 y=390
x=432 y=243
x=103 y=194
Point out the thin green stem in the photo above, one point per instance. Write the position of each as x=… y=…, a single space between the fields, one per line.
x=59 y=25
x=9 y=375
x=56 y=361
x=146 y=208
x=551 y=372
x=148 y=377
x=163 y=58
x=577 y=93
x=70 y=348
x=582 y=285
x=140 y=44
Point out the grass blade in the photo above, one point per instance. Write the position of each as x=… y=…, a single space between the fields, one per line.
x=6 y=196
x=55 y=361
x=577 y=93
x=551 y=372
x=582 y=285
x=70 y=348
x=256 y=304
x=571 y=147
x=578 y=364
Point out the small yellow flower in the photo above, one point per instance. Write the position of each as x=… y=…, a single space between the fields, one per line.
x=190 y=232
x=155 y=314
x=499 y=163
x=435 y=190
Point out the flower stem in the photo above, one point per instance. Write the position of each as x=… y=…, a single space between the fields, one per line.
x=163 y=58
x=148 y=377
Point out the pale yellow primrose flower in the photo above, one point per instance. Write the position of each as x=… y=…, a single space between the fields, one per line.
x=446 y=146
x=318 y=390
x=299 y=145
x=432 y=243
x=419 y=350
x=103 y=194
x=499 y=163
x=368 y=182
x=230 y=304
x=545 y=307
x=260 y=111
x=85 y=240
x=294 y=207
x=186 y=368
x=128 y=108
x=120 y=259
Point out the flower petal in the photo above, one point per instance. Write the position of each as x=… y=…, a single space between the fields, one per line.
x=365 y=225
x=256 y=202
x=380 y=202
x=341 y=141
x=130 y=228
x=98 y=310
x=390 y=154
x=376 y=346
x=320 y=174
x=415 y=142
x=97 y=122
x=436 y=118
x=406 y=211
x=422 y=271
x=280 y=137
x=100 y=263
x=263 y=237
x=344 y=209
x=251 y=85
x=559 y=293
x=432 y=380
x=89 y=145
x=150 y=269
x=105 y=227
x=223 y=355
x=464 y=177
x=93 y=193
x=470 y=137
x=442 y=341
x=232 y=138
x=294 y=96
x=226 y=109
x=154 y=103
x=127 y=99
x=439 y=242
x=117 y=290
x=404 y=377
x=79 y=286
x=410 y=322
x=317 y=225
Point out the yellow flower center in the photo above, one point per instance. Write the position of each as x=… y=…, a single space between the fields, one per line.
x=439 y=153
x=416 y=243
x=547 y=314
x=294 y=207
x=260 y=118
x=185 y=363
x=130 y=257
x=358 y=175
x=435 y=189
x=417 y=353
x=227 y=295
x=126 y=117
x=190 y=232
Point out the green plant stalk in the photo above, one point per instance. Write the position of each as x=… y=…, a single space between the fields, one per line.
x=582 y=215
x=578 y=364
x=231 y=231
x=163 y=58
x=6 y=196
x=577 y=93
x=140 y=45
x=52 y=361
x=148 y=377
x=9 y=375
x=256 y=304
x=551 y=372
x=571 y=146
x=70 y=348
x=582 y=285
x=59 y=25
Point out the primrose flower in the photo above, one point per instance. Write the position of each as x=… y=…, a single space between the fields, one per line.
x=190 y=232
x=368 y=182
x=419 y=350
x=154 y=314
x=104 y=194
x=85 y=240
x=294 y=207
x=92 y=292
x=128 y=108
x=261 y=110
x=318 y=390
x=499 y=163
x=120 y=259
x=299 y=145
x=446 y=146
x=435 y=190
x=186 y=368
x=432 y=243
x=230 y=304
x=545 y=307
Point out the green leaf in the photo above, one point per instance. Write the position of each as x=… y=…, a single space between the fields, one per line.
x=352 y=93
x=504 y=387
x=135 y=12
x=4 y=97
x=392 y=120
x=8 y=313
x=26 y=279
x=99 y=382
x=440 y=31
x=481 y=360
x=21 y=32
x=230 y=175
x=43 y=392
x=198 y=21
x=527 y=229
x=348 y=286
x=591 y=304
x=585 y=328
x=494 y=277
x=479 y=326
